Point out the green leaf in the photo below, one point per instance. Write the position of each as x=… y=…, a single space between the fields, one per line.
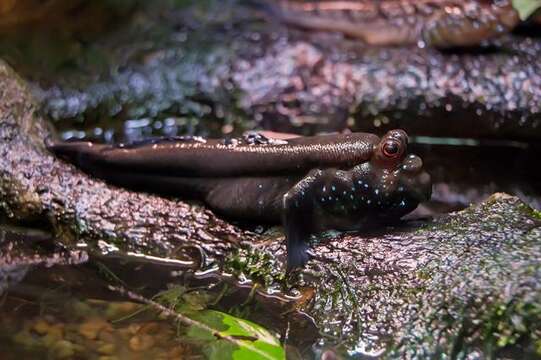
x=245 y=339
x=220 y=349
x=526 y=8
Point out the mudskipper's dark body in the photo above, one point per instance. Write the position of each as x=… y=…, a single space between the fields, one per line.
x=309 y=183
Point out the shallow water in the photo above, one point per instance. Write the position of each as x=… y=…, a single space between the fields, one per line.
x=71 y=311
x=53 y=323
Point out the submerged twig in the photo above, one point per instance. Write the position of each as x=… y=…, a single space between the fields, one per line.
x=184 y=319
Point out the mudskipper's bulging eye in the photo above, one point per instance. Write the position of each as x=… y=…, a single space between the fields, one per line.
x=392 y=149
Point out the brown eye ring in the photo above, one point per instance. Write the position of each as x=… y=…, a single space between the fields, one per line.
x=392 y=149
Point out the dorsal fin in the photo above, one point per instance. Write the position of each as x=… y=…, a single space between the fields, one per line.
x=253 y=155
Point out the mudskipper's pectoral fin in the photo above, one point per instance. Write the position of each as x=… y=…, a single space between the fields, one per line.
x=297 y=240
x=298 y=219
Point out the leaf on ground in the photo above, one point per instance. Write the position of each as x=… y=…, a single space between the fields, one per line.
x=526 y=8
x=251 y=340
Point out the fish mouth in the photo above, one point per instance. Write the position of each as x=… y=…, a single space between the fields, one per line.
x=418 y=189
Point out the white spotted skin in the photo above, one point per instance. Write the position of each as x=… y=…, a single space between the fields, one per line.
x=348 y=199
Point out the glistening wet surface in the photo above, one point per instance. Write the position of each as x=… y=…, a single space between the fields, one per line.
x=463 y=286
x=72 y=311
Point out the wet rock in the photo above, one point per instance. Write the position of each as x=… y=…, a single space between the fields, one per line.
x=41 y=327
x=53 y=338
x=252 y=72
x=466 y=284
x=107 y=349
x=92 y=327
x=141 y=342
x=421 y=90
x=117 y=310
x=441 y=24
x=36 y=186
x=24 y=338
x=63 y=349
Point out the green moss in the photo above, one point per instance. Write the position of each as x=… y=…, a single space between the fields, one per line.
x=255 y=264
x=507 y=324
x=536 y=214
